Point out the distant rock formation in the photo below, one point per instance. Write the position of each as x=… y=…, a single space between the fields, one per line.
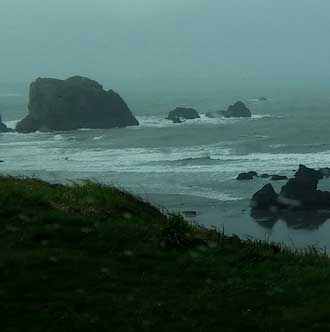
x=78 y=102
x=299 y=193
x=238 y=110
x=182 y=113
x=262 y=99
x=3 y=127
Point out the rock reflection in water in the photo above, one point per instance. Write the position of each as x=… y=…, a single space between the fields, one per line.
x=294 y=219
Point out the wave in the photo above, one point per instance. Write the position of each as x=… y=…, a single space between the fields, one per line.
x=11 y=124
x=153 y=121
x=58 y=137
x=219 y=196
x=196 y=159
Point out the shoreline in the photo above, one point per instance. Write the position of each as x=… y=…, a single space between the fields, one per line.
x=296 y=230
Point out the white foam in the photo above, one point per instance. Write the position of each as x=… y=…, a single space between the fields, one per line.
x=11 y=124
x=48 y=155
x=58 y=137
x=160 y=121
x=87 y=129
x=211 y=194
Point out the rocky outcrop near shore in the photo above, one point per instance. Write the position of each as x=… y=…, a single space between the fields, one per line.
x=299 y=193
x=182 y=113
x=78 y=102
x=252 y=174
x=247 y=176
x=238 y=110
x=3 y=127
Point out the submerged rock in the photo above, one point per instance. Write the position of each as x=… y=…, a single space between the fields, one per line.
x=182 y=113
x=77 y=102
x=238 y=110
x=3 y=127
x=277 y=177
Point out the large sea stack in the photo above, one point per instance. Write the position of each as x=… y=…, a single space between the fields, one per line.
x=77 y=102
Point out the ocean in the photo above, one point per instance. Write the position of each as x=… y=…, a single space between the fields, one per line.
x=190 y=166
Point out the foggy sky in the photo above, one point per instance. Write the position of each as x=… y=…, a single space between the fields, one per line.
x=167 y=43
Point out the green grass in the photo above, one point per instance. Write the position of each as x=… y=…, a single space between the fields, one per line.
x=92 y=258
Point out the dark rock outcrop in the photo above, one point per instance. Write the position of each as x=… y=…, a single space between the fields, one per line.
x=265 y=176
x=244 y=177
x=253 y=173
x=176 y=120
x=299 y=193
x=182 y=113
x=263 y=99
x=265 y=198
x=247 y=176
x=325 y=172
x=3 y=127
x=77 y=102
x=277 y=177
x=238 y=110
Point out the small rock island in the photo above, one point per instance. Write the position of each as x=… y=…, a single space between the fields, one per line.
x=180 y=113
x=74 y=103
x=238 y=110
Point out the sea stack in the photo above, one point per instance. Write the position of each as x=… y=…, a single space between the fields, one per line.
x=78 y=102
x=299 y=193
x=238 y=110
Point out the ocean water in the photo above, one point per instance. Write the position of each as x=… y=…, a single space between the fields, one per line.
x=189 y=166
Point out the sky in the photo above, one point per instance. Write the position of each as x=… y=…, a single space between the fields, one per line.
x=170 y=44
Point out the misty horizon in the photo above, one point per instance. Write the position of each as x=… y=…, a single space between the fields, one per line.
x=253 y=46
